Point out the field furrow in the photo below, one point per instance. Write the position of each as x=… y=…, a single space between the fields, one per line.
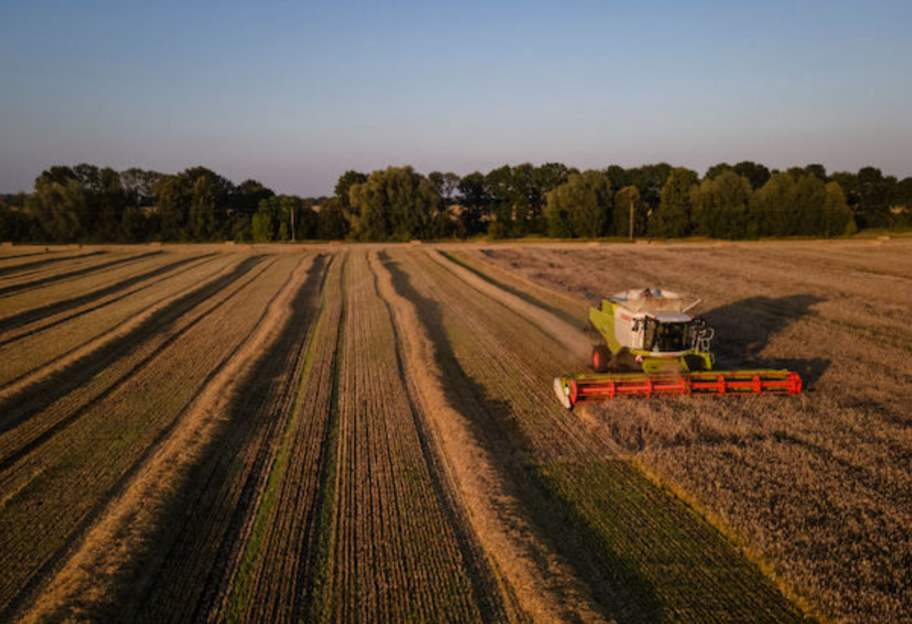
x=111 y=563
x=87 y=265
x=56 y=310
x=52 y=402
x=60 y=484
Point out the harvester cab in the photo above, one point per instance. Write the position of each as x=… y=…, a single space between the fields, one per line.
x=647 y=344
x=649 y=330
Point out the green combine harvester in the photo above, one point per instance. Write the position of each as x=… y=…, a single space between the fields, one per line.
x=647 y=344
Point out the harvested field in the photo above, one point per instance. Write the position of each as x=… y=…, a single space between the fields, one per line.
x=368 y=433
x=818 y=488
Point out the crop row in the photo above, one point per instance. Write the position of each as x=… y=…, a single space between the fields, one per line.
x=31 y=312
x=23 y=259
x=74 y=270
x=53 y=489
x=200 y=548
x=28 y=349
x=57 y=399
x=397 y=554
x=20 y=303
x=24 y=269
x=275 y=577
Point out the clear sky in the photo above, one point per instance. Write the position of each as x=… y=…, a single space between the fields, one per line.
x=295 y=93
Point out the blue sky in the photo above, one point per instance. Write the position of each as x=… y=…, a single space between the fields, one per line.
x=295 y=93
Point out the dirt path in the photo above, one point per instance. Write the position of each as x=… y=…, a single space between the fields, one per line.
x=545 y=589
x=90 y=575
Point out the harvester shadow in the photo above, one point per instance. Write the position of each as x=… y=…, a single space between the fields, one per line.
x=744 y=329
x=622 y=594
x=196 y=512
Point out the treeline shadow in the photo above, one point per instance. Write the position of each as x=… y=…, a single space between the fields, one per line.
x=745 y=328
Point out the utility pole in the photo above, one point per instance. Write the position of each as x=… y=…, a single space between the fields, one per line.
x=292 y=211
x=631 y=216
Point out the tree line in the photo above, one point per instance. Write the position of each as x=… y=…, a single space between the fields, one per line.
x=87 y=204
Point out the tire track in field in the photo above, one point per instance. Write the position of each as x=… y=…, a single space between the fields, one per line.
x=42 y=395
x=93 y=575
x=36 y=314
x=6 y=291
x=28 y=266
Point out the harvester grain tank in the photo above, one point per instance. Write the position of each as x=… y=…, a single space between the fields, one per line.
x=647 y=344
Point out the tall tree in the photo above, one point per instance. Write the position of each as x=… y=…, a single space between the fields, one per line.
x=331 y=221
x=672 y=219
x=346 y=181
x=772 y=206
x=581 y=206
x=393 y=203
x=625 y=200
x=475 y=202
x=720 y=207
x=756 y=174
x=839 y=219
x=201 y=222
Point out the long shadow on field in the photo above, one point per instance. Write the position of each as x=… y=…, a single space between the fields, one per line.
x=36 y=314
x=622 y=594
x=44 y=281
x=744 y=328
x=184 y=567
x=27 y=266
x=40 y=395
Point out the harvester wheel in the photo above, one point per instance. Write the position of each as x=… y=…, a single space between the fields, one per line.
x=601 y=358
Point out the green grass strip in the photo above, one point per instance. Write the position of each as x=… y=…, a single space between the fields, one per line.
x=664 y=560
x=237 y=599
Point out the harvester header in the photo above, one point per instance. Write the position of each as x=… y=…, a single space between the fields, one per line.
x=647 y=344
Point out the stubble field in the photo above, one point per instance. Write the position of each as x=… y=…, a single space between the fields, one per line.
x=367 y=433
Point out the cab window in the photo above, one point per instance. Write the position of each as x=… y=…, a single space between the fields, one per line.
x=666 y=336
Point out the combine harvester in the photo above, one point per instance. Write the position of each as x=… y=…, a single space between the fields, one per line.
x=653 y=347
